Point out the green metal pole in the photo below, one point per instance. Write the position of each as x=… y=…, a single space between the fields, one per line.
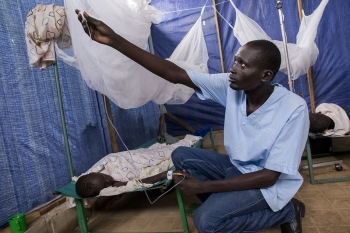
x=79 y=205
x=78 y=202
x=58 y=87
x=309 y=160
x=81 y=216
x=182 y=210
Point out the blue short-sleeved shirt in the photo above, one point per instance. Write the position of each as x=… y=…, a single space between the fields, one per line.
x=272 y=137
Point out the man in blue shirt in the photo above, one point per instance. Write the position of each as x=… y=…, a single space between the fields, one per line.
x=266 y=129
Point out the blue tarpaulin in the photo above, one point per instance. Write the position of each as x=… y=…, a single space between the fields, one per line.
x=32 y=154
x=33 y=159
x=330 y=73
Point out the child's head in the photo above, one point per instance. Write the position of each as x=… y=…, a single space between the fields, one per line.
x=91 y=184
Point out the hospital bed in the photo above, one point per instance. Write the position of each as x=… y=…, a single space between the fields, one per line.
x=69 y=189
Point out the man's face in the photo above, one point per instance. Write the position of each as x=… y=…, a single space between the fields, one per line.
x=246 y=73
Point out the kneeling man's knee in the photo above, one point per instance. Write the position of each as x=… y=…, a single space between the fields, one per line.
x=203 y=221
x=179 y=153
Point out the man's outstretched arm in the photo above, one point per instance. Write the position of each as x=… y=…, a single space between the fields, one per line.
x=103 y=34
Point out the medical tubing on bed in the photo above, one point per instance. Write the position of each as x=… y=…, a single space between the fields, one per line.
x=132 y=163
x=104 y=100
x=110 y=121
x=121 y=139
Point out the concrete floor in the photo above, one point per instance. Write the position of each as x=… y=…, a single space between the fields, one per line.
x=327 y=207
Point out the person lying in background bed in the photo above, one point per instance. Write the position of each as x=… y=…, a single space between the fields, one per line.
x=329 y=120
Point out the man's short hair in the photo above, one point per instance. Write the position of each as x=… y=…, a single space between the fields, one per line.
x=86 y=186
x=270 y=55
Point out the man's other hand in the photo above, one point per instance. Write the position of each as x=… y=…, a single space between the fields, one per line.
x=190 y=185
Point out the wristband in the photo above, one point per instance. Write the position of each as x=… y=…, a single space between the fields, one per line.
x=169 y=175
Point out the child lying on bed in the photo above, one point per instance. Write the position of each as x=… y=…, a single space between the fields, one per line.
x=90 y=185
x=117 y=173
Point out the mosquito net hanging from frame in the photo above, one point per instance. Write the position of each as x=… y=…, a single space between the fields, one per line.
x=302 y=55
x=126 y=83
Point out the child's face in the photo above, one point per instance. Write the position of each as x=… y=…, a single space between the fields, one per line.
x=107 y=180
x=101 y=180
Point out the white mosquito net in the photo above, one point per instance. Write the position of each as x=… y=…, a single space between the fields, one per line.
x=122 y=80
x=302 y=55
